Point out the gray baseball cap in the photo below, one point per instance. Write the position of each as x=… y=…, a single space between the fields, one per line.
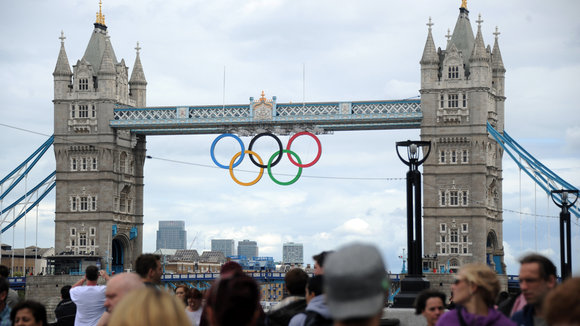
x=355 y=282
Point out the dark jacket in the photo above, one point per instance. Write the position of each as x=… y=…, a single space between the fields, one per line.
x=65 y=313
x=282 y=316
x=525 y=317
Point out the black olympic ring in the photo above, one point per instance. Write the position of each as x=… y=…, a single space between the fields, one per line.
x=280 y=151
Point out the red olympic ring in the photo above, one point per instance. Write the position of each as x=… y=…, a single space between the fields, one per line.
x=317 y=143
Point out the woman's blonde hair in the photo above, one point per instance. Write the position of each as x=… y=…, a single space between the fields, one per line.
x=149 y=307
x=485 y=279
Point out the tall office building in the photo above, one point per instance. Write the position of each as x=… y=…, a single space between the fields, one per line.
x=171 y=235
x=292 y=253
x=248 y=248
x=227 y=246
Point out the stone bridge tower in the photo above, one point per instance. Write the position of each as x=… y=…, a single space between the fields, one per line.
x=99 y=171
x=462 y=89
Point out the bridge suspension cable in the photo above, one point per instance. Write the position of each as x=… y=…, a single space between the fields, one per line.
x=25 y=203
x=538 y=172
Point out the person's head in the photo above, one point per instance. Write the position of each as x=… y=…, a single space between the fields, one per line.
x=148 y=266
x=193 y=299
x=92 y=273
x=4 y=271
x=430 y=304
x=4 y=287
x=475 y=280
x=314 y=287
x=119 y=286
x=561 y=305
x=233 y=301
x=65 y=292
x=295 y=281
x=319 y=262
x=230 y=268
x=355 y=284
x=149 y=306
x=181 y=291
x=537 y=277
x=28 y=313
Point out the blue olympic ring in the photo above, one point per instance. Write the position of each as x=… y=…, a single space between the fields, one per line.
x=211 y=151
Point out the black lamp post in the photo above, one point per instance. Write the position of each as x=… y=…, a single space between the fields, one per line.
x=565 y=236
x=414 y=282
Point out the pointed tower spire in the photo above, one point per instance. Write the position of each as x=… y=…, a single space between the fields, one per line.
x=137 y=76
x=137 y=83
x=62 y=66
x=496 y=60
x=479 y=52
x=430 y=53
x=462 y=37
x=100 y=17
x=107 y=64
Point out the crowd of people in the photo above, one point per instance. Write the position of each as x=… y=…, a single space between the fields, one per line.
x=349 y=288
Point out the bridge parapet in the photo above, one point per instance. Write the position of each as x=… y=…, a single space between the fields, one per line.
x=284 y=118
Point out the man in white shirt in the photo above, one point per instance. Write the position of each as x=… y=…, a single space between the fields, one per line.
x=89 y=298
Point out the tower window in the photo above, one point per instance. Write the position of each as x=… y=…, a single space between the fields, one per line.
x=93 y=231
x=464 y=156
x=83 y=84
x=442 y=156
x=442 y=199
x=82 y=239
x=453 y=156
x=464 y=100
x=442 y=227
x=83 y=111
x=93 y=203
x=73 y=231
x=72 y=111
x=464 y=227
x=84 y=205
x=73 y=204
x=464 y=250
x=453 y=72
x=453 y=100
x=465 y=239
x=464 y=198
x=94 y=164
x=453 y=198
x=454 y=250
x=73 y=164
x=94 y=111
x=83 y=164
x=442 y=238
x=442 y=101
x=454 y=236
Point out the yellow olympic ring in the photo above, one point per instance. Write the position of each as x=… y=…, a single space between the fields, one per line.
x=251 y=183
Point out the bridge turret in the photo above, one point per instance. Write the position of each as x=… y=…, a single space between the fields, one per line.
x=107 y=73
x=62 y=73
x=138 y=83
x=480 y=60
x=429 y=61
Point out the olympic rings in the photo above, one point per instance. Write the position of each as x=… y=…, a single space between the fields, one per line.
x=231 y=167
x=273 y=161
x=280 y=155
x=317 y=143
x=215 y=143
x=279 y=151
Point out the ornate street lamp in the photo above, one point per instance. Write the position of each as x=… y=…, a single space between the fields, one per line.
x=565 y=236
x=414 y=282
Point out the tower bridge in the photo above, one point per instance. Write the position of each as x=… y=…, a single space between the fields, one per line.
x=101 y=122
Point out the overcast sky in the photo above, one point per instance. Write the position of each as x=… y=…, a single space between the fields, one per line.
x=351 y=50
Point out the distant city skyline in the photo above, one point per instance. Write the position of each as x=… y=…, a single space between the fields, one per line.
x=171 y=235
x=248 y=248
x=292 y=253
x=226 y=246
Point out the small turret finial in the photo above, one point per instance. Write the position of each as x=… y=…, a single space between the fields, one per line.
x=479 y=21
x=496 y=32
x=100 y=16
x=263 y=98
x=138 y=48
x=448 y=36
x=62 y=38
x=464 y=4
x=430 y=24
